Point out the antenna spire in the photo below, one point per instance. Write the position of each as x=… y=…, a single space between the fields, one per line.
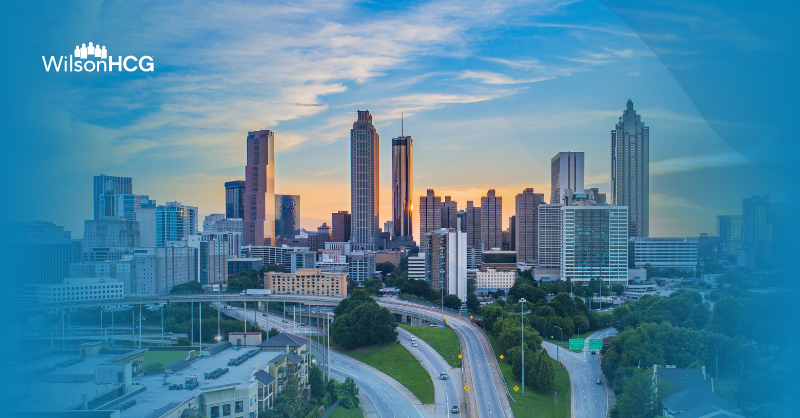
x=401 y=124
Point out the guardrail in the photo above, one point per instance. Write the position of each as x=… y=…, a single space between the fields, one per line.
x=498 y=365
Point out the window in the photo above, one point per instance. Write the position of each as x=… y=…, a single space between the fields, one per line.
x=226 y=410
x=214 y=412
x=239 y=407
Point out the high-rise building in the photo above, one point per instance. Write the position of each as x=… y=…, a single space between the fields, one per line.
x=527 y=224
x=630 y=170
x=234 y=199
x=217 y=222
x=492 y=220
x=287 y=215
x=472 y=226
x=388 y=227
x=549 y=236
x=158 y=270
x=213 y=261
x=449 y=213
x=340 y=226
x=361 y=266
x=729 y=231
x=259 y=195
x=110 y=232
x=402 y=186
x=364 y=182
x=594 y=243
x=430 y=215
x=756 y=227
x=105 y=187
x=512 y=233
x=175 y=222
x=566 y=172
x=446 y=261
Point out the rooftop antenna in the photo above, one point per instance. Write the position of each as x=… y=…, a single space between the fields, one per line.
x=401 y=124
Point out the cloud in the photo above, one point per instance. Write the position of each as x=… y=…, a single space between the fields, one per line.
x=691 y=163
x=487 y=77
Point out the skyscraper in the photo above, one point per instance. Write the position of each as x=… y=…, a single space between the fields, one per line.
x=340 y=226
x=594 y=243
x=364 y=182
x=729 y=231
x=630 y=170
x=756 y=228
x=430 y=215
x=527 y=225
x=402 y=186
x=472 y=216
x=104 y=189
x=234 y=199
x=259 y=195
x=287 y=215
x=492 y=220
x=175 y=222
x=566 y=172
x=446 y=261
x=449 y=213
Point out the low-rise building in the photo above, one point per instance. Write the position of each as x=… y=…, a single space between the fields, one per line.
x=307 y=282
x=664 y=253
x=81 y=289
x=237 y=266
x=491 y=280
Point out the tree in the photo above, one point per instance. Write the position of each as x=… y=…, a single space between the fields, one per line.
x=729 y=317
x=452 y=302
x=545 y=375
x=317 y=382
x=491 y=314
x=618 y=289
x=154 y=368
x=640 y=397
x=273 y=332
x=360 y=322
x=385 y=268
x=373 y=285
x=514 y=356
x=188 y=288
x=347 y=394
x=244 y=281
x=473 y=304
x=289 y=403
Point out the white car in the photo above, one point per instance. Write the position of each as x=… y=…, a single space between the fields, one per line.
x=414 y=344
x=413 y=339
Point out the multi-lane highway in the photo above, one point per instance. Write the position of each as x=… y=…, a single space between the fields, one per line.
x=590 y=399
x=446 y=392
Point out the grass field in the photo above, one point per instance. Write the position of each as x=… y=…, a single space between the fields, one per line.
x=535 y=404
x=445 y=343
x=342 y=412
x=394 y=360
x=164 y=357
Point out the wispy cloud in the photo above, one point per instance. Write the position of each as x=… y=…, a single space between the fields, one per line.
x=487 y=77
x=690 y=163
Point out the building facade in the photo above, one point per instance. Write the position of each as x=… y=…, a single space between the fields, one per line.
x=287 y=215
x=630 y=170
x=566 y=172
x=430 y=215
x=104 y=186
x=402 y=186
x=549 y=239
x=526 y=225
x=259 y=195
x=234 y=199
x=416 y=266
x=449 y=213
x=472 y=216
x=491 y=280
x=664 y=253
x=446 y=261
x=361 y=266
x=307 y=282
x=270 y=255
x=175 y=222
x=364 y=182
x=110 y=232
x=595 y=243
x=492 y=220
x=729 y=231
x=340 y=226
x=81 y=289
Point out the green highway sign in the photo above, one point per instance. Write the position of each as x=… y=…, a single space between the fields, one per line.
x=576 y=344
x=595 y=344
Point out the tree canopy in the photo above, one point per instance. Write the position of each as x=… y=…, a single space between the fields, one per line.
x=360 y=322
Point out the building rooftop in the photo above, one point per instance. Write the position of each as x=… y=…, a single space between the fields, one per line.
x=284 y=339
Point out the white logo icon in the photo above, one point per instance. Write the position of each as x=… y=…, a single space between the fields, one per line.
x=91 y=51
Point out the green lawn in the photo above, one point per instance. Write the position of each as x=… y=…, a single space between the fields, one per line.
x=394 y=360
x=535 y=404
x=445 y=343
x=164 y=357
x=342 y=412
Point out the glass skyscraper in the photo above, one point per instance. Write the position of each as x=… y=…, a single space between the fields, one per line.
x=287 y=215
x=630 y=170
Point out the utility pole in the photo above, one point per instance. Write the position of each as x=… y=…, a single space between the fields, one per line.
x=191 y=308
x=140 y=325
x=522 y=339
x=162 y=324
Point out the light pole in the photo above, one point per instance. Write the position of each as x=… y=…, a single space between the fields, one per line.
x=442 y=290
x=558 y=345
x=219 y=307
x=522 y=338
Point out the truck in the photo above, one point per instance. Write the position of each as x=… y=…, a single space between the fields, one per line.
x=257 y=292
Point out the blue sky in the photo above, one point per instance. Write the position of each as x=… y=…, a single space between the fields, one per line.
x=490 y=92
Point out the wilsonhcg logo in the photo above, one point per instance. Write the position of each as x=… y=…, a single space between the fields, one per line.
x=96 y=58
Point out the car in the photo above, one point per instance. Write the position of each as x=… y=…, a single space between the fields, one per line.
x=264 y=315
x=169 y=333
x=599 y=382
x=413 y=338
x=455 y=409
x=593 y=352
x=414 y=345
x=285 y=321
x=443 y=376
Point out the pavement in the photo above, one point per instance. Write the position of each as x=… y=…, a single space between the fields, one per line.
x=589 y=400
x=446 y=392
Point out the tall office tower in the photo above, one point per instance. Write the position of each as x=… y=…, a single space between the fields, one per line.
x=527 y=224
x=175 y=222
x=549 y=239
x=364 y=182
x=472 y=216
x=630 y=170
x=446 y=261
x=461 y=220
x=492 y=220
x=729 y=231
x=566 y=172
x=449 y=213
x=594 y=243
x=234 y=199
x=430 y=215
x=259 y=195
x=105 y=187
x=287 y=215
x=756 y=227
x=512 y=233
x=402 y=186
x=340 y=226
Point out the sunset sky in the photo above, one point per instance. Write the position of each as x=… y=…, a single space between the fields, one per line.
x=490 y=92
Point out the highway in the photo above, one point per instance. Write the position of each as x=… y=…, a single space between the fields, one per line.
x=381 y=396
x=446 y=392
x=589 y=399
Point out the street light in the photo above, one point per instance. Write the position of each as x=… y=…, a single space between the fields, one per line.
x=562 y=339
x=522 y=338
